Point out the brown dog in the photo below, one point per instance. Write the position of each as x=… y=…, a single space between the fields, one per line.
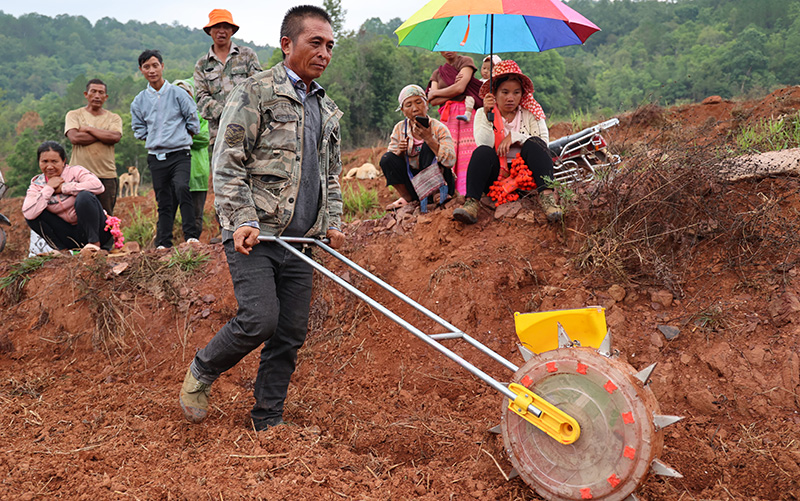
x=129 y=180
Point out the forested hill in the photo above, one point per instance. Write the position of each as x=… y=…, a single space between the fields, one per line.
x=665 y=52
x=681 y=50
x=44 y=54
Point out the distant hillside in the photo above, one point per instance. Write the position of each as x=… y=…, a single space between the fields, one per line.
x=649 y=51
x=44 y=54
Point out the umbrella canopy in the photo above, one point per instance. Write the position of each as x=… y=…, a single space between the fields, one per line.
x=489 y=26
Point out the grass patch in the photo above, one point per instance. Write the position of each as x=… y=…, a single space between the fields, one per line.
x=580 y=120
x=141 y=228
x=768 y=135
x=566 y=194
x=712 y=319
x=360 y=202
x=12 y=284
x=187 y=260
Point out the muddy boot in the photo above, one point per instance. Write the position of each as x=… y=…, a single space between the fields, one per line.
x=271 y=423
x=469 y=212
x=194 y=398
x=550 y=207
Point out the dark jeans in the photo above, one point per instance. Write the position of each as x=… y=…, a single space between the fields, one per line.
x=108 y=199
x=60 y=234
x=171 y=184
x=394 y=169
x=484 y=166
x=273 y=289
x=199 y=203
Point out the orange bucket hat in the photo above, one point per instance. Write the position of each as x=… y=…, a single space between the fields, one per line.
x=218 y=16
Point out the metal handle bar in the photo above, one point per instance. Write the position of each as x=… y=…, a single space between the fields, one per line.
x=431 y=340
x=611 y=122
x=579 y=137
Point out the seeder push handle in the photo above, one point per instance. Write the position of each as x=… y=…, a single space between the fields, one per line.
x=432 y=340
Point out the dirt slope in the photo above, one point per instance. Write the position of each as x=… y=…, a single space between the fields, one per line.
x=91 y=362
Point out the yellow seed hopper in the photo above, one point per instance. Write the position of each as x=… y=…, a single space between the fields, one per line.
x=538 y=332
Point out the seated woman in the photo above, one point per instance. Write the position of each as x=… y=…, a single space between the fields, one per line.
x=519 y=127
x=61 y=205
x=414 y=146
x=452 y=87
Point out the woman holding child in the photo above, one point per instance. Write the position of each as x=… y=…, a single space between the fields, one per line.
x=518 y=127
x=61 y=203
x=454 y=89
x=416 y=142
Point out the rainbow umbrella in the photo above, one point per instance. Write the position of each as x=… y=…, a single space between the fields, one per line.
x=489 y=26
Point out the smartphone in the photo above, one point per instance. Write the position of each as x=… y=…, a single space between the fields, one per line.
x=423 y=121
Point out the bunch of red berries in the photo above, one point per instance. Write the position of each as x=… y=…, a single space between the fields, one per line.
x=505 y=190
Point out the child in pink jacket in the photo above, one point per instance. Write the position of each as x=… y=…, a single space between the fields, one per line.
x=61 y=205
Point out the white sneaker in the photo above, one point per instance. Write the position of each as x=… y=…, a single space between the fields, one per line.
x=160 y=247
x=193 y=241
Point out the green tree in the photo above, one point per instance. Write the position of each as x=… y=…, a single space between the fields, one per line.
x=23 y=163
x=334 y=9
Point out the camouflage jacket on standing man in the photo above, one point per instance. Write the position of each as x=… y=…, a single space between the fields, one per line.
x=258 y=157
x=214 y=81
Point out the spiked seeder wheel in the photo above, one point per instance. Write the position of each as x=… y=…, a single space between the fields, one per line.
x=619 y=421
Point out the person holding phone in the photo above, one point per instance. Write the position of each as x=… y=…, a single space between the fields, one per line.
x=416 y=142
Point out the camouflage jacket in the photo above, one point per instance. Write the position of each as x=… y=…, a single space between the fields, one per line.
x=214 y=81
x=258 y=156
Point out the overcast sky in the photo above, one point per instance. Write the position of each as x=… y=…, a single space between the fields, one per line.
x=259 y=20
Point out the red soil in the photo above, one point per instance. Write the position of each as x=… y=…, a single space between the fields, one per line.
x=378 y=414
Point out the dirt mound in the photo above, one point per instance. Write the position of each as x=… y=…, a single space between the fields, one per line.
x=92 y=361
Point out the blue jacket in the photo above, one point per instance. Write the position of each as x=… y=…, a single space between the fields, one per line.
x=166 y=119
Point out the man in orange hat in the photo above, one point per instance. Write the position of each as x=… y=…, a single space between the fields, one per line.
x=221 y=69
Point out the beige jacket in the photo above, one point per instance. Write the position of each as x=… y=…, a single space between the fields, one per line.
x=529 y=126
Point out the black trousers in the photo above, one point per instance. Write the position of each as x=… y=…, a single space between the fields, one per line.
x=199 y=202
x=171 y=184
x=273 y=289
x=108 y=199
x=484 y=166
x=60 y=234
x=394 y=169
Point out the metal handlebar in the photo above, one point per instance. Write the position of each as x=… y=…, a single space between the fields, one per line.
x=432 y=340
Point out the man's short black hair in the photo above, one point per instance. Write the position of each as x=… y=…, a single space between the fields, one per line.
x=97 y=81
x=292 y=24
x=144 y=56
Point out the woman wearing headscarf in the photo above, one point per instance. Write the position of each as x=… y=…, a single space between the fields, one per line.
x=416 y=142
x=519 y=127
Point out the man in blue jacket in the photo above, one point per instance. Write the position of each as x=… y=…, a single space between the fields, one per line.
x=165 y=117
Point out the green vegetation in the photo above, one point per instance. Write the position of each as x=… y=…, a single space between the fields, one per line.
x=46 y=76
x=187 y=260
x=769 y=135
x=566 y=195
x=12 y=284
x=648 y=51
x=359 y=202
x=141 y=228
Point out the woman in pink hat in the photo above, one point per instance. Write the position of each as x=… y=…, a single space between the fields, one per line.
x=519 y=127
